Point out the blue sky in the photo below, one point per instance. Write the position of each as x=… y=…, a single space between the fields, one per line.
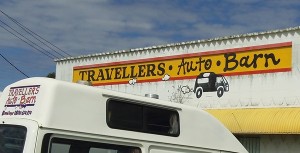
x=82 y=27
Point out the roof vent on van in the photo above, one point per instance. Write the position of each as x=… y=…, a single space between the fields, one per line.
x=83 y=82
x=155 y=96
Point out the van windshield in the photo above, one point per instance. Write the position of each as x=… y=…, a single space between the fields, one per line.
x=12 y=138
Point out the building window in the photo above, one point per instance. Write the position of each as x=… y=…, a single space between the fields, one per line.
x=252 y=144
x=141 y=118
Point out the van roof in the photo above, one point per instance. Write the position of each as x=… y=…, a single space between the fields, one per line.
x=60 y=105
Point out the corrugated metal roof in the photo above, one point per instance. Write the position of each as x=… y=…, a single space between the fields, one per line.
x=260 y=120
x=179 y=44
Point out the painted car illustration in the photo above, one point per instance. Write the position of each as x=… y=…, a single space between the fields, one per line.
x=210 y=82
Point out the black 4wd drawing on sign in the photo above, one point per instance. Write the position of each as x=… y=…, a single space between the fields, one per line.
x=210 y=82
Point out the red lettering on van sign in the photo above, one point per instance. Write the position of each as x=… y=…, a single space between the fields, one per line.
x=19 y=98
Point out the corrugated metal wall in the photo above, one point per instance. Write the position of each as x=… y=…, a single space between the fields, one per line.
x=246 y=91
x=252 y=144
x=259 y=90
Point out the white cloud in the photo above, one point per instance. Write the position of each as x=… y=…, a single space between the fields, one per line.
x=78 y=26
x=90 y=26
x=96 y=26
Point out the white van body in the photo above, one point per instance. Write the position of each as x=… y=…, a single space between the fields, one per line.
x=54 y=115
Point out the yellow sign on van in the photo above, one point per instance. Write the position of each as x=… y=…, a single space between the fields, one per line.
x=236 y=61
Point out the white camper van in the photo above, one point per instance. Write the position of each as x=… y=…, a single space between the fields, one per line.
x=42 y=115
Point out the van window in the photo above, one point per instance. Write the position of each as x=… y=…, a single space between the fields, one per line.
x=141 y=118
x=12 y=138
x=125 y=116
x=62 y=145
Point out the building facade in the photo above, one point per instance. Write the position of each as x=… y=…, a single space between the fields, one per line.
x=249 y=82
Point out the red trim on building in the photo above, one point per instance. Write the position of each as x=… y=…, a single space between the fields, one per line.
x=258 y=72
x=194 y=77
x=242 y=49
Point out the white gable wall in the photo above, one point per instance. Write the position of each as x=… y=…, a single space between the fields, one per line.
x=256 y=90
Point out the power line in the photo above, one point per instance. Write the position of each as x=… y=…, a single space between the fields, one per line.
x=13 y=65
x=26 y=42
x=28 y=39
x=48 y=54
x=35 y=35
x=24 y=28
